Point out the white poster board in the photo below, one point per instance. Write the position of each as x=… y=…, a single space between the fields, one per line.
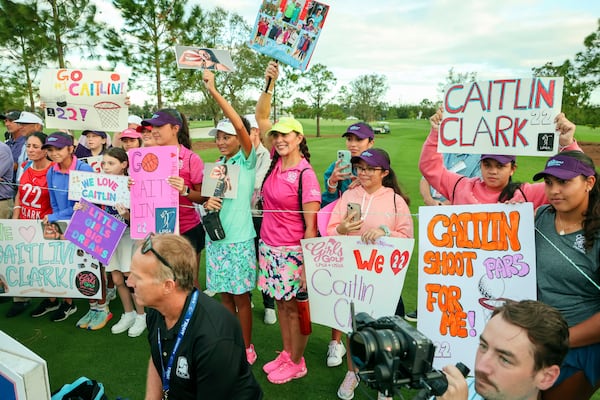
x=23 y=374
x=502 y=116
x=38 y=262
x=343 y=269
x=99 y=188
x=84 y=99
x=471 y=258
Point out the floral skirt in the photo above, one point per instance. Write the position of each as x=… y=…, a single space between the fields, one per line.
x=231 y=267
x=280 y=270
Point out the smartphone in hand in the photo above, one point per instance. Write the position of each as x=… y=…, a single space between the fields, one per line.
x=354 y=209
x=344 y=156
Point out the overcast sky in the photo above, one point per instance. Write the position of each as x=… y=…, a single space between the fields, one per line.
x=415 y=43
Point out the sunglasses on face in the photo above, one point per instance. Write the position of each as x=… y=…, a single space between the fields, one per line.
x=147 y=246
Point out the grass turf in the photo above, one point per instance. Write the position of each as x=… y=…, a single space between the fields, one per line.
x=120 y=362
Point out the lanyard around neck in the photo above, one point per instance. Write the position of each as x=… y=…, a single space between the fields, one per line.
x=166 y=374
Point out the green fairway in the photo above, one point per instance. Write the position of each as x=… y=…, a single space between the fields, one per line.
x=120 y=362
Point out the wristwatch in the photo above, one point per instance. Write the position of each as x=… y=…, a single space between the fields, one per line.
x=385 y=229
x=187 y=192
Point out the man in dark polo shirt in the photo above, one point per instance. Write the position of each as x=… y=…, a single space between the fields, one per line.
x=196 y=345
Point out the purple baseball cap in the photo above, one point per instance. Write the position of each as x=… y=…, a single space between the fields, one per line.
x=373 y=157
x=502 y=159
x=361 y=130
x=58 y=140
x=161 y=118
x=102 y=134
x=565 y=167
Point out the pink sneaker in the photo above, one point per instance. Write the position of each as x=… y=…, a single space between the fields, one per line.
x=251 y=355
x=282 y=358
x=288 y=371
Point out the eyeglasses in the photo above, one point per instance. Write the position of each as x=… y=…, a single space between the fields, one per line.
x=366 y=170
x=147 y=246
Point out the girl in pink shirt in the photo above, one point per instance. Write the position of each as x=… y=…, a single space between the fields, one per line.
x=383 y=212
x=280 y=254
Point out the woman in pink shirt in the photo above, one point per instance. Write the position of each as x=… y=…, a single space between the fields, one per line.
x=290 y=214
x=495 y=184
x=383 y=212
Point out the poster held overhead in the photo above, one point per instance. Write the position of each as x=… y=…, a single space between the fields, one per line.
x=502 y=116
x=194 y=57
x=84 y=99
x=288 y=31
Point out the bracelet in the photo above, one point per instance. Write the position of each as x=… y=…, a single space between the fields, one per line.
x=385 y=229
x=17 y=207
x=330 y=185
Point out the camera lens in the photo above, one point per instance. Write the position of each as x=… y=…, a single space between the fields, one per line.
x=369 y=344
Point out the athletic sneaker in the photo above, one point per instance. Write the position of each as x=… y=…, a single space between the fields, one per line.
x=99 y=319
x=44 y=308
x=411 y=316
x=282 y=358
x=381 y=396
x=251 y=355
x=138 y=327
x=270 y=316
x=127 y=320
x=288 y=371
x=86 y=319
x=111 y=294
x=17 y=308
x=346 y=389
x=335 y=352
x=63 y=311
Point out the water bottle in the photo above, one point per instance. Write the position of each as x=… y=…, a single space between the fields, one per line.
x=303 y=313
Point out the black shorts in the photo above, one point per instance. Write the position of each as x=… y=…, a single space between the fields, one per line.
x=196 y=236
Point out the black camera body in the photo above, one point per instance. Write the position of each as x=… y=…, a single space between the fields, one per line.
x=390 y=353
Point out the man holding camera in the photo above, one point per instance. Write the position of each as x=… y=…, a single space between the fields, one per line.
x=519 y=355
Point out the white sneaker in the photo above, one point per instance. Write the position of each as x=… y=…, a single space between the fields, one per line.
x=335 y=352
x=270 y=316
x=138 y=327
x=126 y=322
x=111 y=294
x=350 y=382
x=209 y=293
x=381 y=396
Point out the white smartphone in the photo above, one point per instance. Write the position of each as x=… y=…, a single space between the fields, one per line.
x=344 y=156
x=354 y=208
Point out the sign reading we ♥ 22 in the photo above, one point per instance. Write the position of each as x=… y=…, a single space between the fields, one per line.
x=84 y=99
x=343 y=269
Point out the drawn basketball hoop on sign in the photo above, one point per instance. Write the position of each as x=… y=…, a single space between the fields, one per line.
x=109 y=114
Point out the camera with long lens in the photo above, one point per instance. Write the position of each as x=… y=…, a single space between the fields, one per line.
x=390 y=353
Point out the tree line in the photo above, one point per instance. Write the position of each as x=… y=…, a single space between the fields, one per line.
x=38 y=34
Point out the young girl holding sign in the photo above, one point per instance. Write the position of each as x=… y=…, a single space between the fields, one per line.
x=495 y=184
x=231 y=262
x=383 y=212
x=60 y=150
x=568 y=266
x=116 y=162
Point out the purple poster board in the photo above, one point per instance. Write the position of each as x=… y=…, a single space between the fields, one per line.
x=288 y=30
x=95 y=231
x=154 y=203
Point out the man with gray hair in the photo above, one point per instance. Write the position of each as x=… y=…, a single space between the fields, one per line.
x=196 y=345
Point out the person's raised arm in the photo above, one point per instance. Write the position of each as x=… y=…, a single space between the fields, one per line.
x=263 y=105
x=240 y=130
x=566 y=130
